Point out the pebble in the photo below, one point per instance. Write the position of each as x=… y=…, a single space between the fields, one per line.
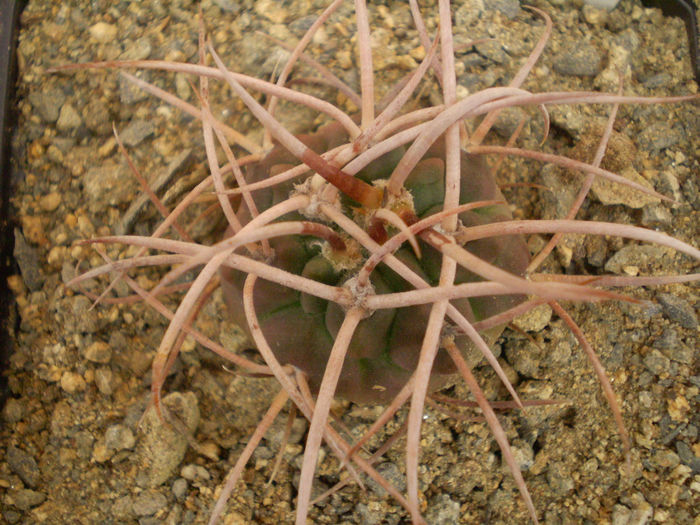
x=582 y=60
x=11 y=516
x=671 y=345
x=47 y=103
x=510 y=8
x=136 y=132
x=24 y=466
x=119 y=437
x=99 y=352
x=174 y=517
x=28 y=262
x=665 y=459
x=391 y=472
x=641 y=514
x=272 y=10
x=686 y=455
x=129 y=93
x=657 y=136
x=122 y=508
x=13 y=411
x=656 y=215
x=148 y=503
x=523 y=454
x=633 y=258
x=602 y=4
x=367 y=517
x=104 y=379
x=559 y=478
x=180 y=488
x=25 y=499
x=678 y=310
x=657 y=362
x=50 y=201
x=230 y=6
x=61 y=420
x=107 y=184
x=97 y=117
x=104 y=33
x=162 y=448
x=68 y=118
x=191 y=472
x=72 y=382
x=524 y=359
x=594 y=15
x=620 y=515
x=609 y=192
x=139 y=50
x=443 y=510
x=534 y=320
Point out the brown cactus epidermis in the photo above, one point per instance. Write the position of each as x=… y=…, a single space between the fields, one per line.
x=384 y=350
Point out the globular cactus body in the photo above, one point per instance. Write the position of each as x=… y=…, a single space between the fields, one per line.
x=384 y=350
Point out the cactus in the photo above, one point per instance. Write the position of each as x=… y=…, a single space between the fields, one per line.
x=384 y=351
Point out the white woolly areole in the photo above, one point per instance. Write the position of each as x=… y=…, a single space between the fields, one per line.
x=359 y=292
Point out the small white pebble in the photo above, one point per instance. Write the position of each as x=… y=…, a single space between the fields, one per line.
x=103 y=32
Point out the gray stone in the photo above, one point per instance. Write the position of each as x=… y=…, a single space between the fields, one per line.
x=28 y=262
x=523 y=454
x=366 y=515
x=670 y=344
x=582 y=60
x=47 y=103
x=602 y=4
x=25 y=499
x=391 y=472
x=633 y=258
x=656 y=215
x=139 y=50
x=97 y=117
x=99 y=352
x=84 y=317
x=686 y=455
x=231 y=6
x=24 y=466
x=11 y=516
x=665 y=459
x=122 y=508
x=136 y=132
x=180 y=488
x=678 y=310
x=177 y=165
x=119 y=437
x=68 y=118
x=510 y=8
x=130 y=93
x=192 y=472
x=443 y=510
x=104 y=380
x=658 y=136
x=148 y=503
x=13 y=411
x=108 y=184
x=162 y=448
x=657 y=363
x=559 y=479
